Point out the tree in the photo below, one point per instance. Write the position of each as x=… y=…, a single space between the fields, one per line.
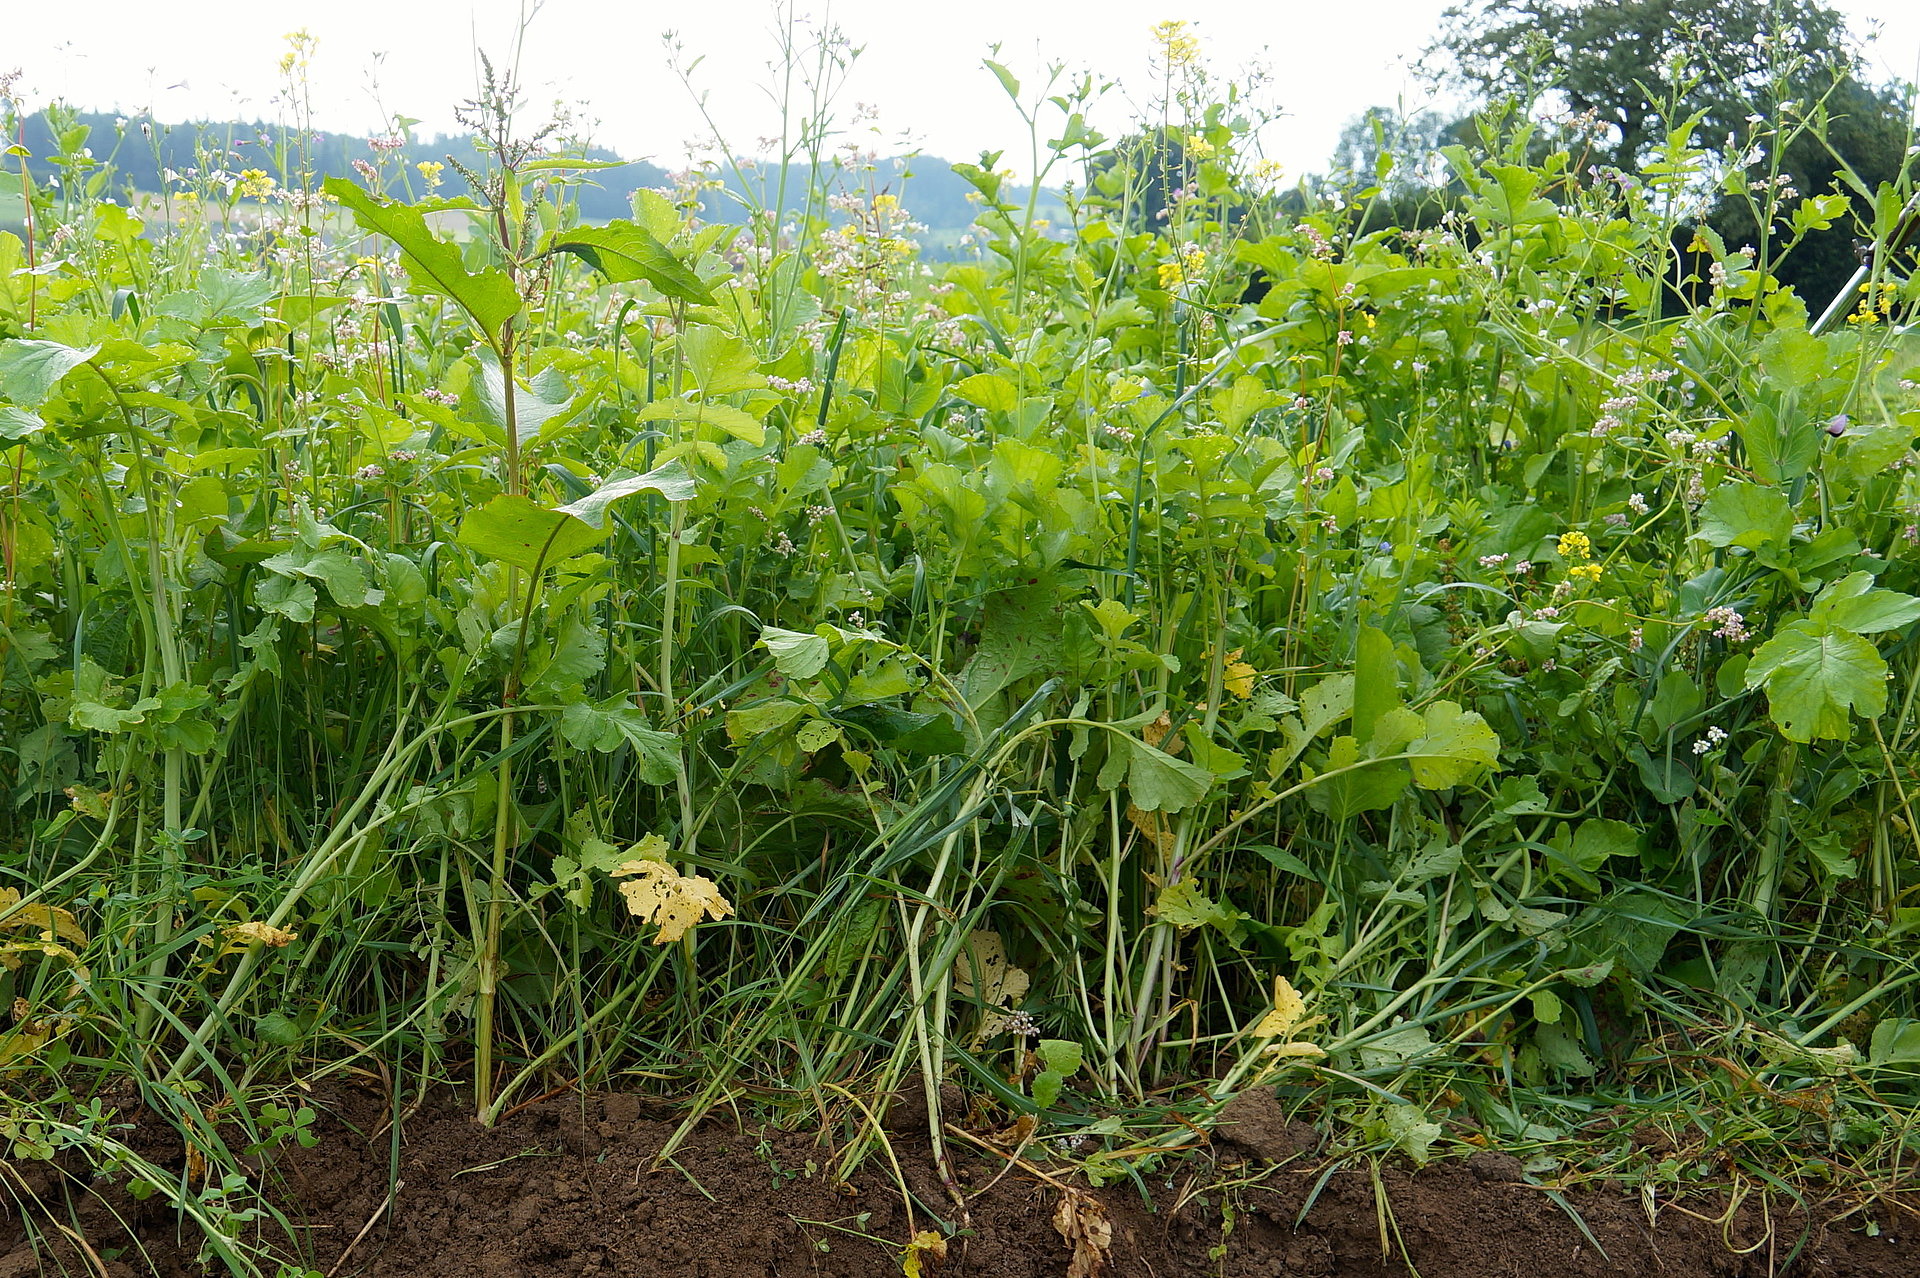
x=1642 y=67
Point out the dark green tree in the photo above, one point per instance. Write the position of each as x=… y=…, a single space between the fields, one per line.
x=1619 y=60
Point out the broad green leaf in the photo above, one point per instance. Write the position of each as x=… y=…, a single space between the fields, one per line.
x=1830 y=850
x=1853 y=604
x=546 y=403
x=512 y=529
x=1746 y=515
x=1376 y=681
x=287 y=597
x=1369 y=787
x=434 y=266
x=605 y=726
x=671 y=481
x=736 y=422
x=1112 y=616
x=989 y=391
x=1895 y=1042
x=1814 y=676
x=748 y=722
x=17 y=423
x=344 y=574
x=797 y=654
x=721 y=362
x=1594 y=842
x=1061 y=1055
x=1456 y=745
x=1321 y=706
x=1235 y=405
x=30 y=369
x=1158 y=782
x=625 y=251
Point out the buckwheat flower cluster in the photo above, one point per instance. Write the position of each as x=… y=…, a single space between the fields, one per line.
x=1715 y=735
x=1727 y=624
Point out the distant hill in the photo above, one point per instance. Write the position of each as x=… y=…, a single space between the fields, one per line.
x=138 y=157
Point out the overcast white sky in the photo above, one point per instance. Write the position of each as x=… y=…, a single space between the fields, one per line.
x=920 y=65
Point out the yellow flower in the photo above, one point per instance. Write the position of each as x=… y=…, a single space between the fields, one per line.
x=256 y=183
x=1177 y=48
x=1588 y=573
x=1575 y=545
x=1185 y=269
x=1198 y=147
x=431 y=171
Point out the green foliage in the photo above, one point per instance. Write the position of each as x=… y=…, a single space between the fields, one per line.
x=1058 y=642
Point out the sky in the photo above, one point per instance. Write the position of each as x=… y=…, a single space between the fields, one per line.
x=918 y=81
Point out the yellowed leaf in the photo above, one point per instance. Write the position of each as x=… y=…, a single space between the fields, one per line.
x=258 y=933
x=40 y=917
x=981 y=971
x=1288 y=1011
x=1239 y=676
x=924 y=1254
x=658 y=893
x=1302 y=1050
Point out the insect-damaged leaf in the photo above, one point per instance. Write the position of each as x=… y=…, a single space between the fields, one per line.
x=657 y=893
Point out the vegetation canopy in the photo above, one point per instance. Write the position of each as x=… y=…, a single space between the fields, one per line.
x=1464 y=689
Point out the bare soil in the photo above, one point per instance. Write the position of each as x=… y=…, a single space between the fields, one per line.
x=569 y=1186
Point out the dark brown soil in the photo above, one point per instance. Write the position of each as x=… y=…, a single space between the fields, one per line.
x=568 y=1186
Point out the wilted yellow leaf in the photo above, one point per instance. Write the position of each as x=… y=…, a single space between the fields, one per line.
x=658 y=893
x=1296 y=1049
x=1288 y=1010
x=981 y=971
x=257 y=933
x=40 y=917
x=923 y=1254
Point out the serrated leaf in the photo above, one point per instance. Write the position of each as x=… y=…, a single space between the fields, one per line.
x=1186 y=907
x=604 y=726
x=721 y=362
x=1814 y=676
x=1746 y=515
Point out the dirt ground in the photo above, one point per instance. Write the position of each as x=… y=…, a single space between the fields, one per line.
x=568 y=1186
